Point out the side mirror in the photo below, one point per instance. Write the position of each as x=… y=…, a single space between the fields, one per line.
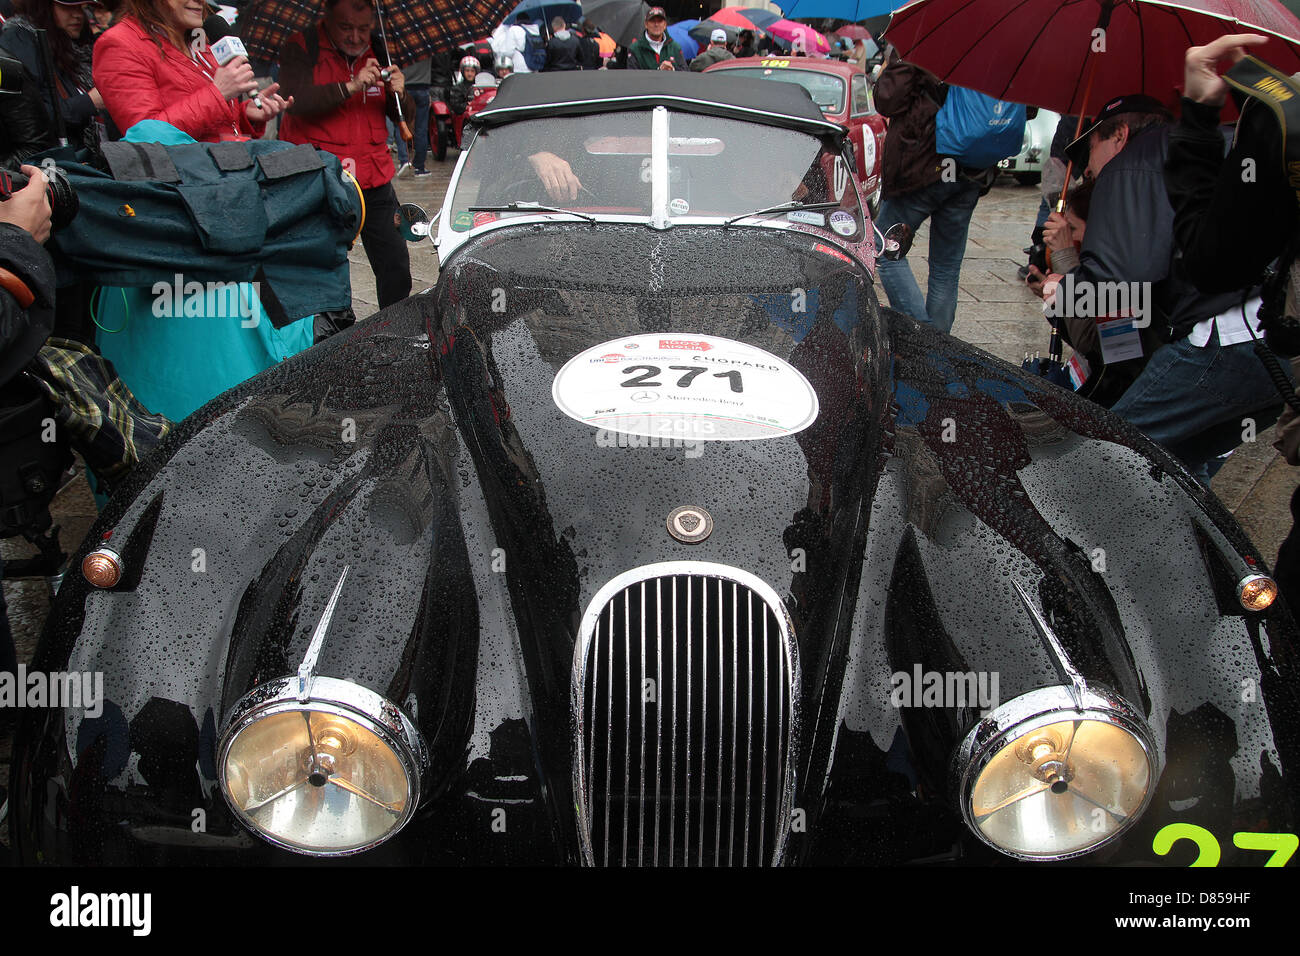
x=898 y=240
x=413 y=222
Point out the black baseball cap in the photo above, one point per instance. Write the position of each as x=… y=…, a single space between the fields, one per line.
x=1132 y=103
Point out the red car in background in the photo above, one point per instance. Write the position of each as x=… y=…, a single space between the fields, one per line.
x=844 y=95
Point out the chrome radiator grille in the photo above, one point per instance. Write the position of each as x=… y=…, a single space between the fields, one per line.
x=684 y=694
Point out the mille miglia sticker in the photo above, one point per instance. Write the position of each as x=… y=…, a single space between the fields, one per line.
x=679 y=385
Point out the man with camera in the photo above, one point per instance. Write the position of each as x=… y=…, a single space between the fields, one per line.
x=1201 y=393
x=341 y=97
x=1233 y=216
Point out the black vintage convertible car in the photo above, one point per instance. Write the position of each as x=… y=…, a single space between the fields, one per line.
x=649 y=537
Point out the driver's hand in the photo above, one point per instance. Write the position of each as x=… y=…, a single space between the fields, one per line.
x=556 y=175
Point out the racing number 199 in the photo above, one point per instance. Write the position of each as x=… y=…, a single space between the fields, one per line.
x=648 y=372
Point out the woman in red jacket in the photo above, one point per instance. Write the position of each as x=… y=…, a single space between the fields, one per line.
x=146 y=67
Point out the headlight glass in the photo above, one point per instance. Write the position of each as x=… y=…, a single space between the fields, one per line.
x=319 y=777
x=1047 y=779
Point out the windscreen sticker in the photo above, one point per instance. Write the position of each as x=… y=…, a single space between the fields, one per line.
x=843 y=222
x=807 y=217
x=679 y=207
x=679 y=385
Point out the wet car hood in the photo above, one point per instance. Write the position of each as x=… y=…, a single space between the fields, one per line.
x=937 y=498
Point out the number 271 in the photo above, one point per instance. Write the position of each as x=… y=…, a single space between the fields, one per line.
x=648 y=372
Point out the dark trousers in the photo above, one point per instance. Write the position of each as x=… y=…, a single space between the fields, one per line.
x=384 y=245
x=420 y=124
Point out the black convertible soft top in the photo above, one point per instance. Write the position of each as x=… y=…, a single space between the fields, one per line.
x=533 y=95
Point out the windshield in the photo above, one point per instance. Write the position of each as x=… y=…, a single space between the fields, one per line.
x=826 y=89
x=605 y=165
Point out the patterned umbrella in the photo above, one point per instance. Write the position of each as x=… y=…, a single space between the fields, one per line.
x=416 y=28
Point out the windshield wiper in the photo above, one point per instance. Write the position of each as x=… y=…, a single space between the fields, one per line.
x=784 y=207
x=531 y=207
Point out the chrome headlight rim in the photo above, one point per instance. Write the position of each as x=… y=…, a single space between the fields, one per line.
x=1032 y=711
x=339 y=698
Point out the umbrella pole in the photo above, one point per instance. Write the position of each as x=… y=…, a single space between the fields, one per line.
x=403 y=129
x=1103 y=23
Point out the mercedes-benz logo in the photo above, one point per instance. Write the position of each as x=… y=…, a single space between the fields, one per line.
x=690 y=524
x=644 y=397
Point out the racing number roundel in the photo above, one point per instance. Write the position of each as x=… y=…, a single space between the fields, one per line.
x=868 y=150
x=685 y=386
x=840 y=173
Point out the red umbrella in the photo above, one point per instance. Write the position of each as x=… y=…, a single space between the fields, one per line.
x=732 y=17
x=854 y=31
x=1070 y=55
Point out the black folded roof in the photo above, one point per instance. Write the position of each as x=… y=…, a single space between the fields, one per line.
x=530 y=95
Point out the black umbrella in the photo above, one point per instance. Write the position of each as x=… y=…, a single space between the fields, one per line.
x=1050 y=368
x=623 y=20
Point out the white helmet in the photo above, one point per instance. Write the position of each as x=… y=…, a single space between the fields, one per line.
x=485 y=81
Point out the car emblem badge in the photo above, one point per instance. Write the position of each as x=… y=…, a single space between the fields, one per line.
x=689 y=524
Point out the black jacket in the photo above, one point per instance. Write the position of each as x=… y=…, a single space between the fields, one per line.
x=458 y=99
x=1228 y=226
x=589 y=50
x=563 y=53
x=910 y=97
x=27 y=117
x=1130 y=238
x=24 y=331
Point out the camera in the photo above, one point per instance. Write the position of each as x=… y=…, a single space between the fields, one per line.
x=1037 y=250
x=63 y=198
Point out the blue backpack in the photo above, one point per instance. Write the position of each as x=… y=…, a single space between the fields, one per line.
x=977 y=130
x=534 y=51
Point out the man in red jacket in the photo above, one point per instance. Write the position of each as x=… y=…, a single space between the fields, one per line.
x=340 y=103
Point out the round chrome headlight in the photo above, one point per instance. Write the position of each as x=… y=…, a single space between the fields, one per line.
x=336 y=773
x=1056 y=773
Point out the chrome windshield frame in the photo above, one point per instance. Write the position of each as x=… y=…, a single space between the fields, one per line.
x=447 y=240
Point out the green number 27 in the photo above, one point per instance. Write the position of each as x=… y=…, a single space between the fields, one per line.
x=1281 y=845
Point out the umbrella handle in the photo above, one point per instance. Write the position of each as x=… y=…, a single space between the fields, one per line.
x=406 y=133
x=1078 y=131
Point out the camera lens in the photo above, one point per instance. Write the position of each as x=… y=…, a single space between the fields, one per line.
x=63 y=198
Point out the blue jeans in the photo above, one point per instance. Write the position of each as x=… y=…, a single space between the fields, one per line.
x=395 y=136
x=420 y=129
x=1193 y=400
x=948 y=206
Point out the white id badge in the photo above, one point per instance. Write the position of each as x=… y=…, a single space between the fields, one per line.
x=1119 y=340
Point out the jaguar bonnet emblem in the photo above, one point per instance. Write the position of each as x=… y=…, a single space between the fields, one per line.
x=690 y=524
